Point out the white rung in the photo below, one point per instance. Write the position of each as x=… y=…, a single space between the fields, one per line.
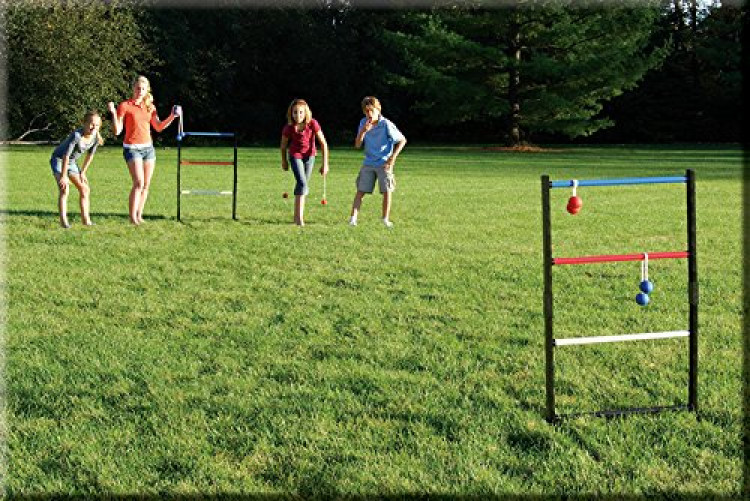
x=205 y=192
x=621 y=337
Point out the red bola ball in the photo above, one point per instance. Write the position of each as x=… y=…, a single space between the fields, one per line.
x=324 y=202
x=574 y=205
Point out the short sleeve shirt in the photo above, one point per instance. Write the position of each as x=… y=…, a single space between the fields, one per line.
x=379 y=141
x=137 y=122
x=301 y=144
x=75 y=145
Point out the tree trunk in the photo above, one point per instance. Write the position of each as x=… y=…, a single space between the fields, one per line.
x=514 y=82
x=679 y=12
x=695 y=82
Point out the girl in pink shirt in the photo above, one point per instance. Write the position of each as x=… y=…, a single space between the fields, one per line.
x=137 y=115
x=298 y=149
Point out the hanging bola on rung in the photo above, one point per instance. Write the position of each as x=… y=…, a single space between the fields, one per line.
x=574 y=202
x=646 y=286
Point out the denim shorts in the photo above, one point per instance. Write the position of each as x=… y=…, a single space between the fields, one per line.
x=302 y=169
x=135 y=152
x=56 y=164
x=368 y=175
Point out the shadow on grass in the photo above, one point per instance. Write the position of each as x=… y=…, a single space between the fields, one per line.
x=366 y=497
x=48 y=213
x=185 y=220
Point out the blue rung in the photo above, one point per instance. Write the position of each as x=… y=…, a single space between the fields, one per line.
x=204 y=134
x=615 y=182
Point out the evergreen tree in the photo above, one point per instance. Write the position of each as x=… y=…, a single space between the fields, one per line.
x=538 y=67
x=718 y=54
x=696 y=94
x=238 y=69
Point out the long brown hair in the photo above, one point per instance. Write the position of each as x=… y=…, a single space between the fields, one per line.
x=299 y=102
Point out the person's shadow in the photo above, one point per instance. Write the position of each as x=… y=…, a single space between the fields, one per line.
x=47 y=213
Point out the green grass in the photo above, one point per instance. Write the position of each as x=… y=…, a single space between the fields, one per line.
x=216 y=356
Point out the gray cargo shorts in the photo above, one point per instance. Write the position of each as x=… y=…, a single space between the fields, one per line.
x=367 y=176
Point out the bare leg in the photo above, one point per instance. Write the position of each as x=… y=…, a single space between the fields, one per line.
x=84 y=191
x=62 y=202
x=357 y=203
x=299 y=209
x=387 y=205
x=135 y=167
x=148 y=171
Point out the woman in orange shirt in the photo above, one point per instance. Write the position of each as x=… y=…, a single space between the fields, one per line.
x=137 y=115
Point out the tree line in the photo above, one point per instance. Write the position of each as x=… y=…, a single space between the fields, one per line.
x=538 y=71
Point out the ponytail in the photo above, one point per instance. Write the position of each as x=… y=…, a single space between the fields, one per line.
x=148 y=100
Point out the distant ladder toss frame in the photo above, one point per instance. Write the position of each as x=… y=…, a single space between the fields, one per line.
x=180 y=162
x=550 y=261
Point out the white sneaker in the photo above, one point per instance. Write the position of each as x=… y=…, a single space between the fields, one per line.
x=353 y=221
x=387 y=223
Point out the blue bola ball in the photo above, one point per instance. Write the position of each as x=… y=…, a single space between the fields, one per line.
x=647 y=287
x=641 y=299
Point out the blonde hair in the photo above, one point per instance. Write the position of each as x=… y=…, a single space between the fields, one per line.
x=298 y=102
x=88 y=117
x=371 y=101
x=148 y=99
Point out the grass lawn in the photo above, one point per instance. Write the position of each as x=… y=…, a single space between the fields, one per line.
x=217 y=356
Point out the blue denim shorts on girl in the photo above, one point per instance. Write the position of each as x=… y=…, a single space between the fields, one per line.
x=135 y=152
x=56 y=164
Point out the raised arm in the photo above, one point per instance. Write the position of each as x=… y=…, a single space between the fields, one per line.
x=361 y=134
x=116 y=120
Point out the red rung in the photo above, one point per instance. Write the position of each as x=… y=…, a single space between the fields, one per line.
x=619 y=257
x=189 y=162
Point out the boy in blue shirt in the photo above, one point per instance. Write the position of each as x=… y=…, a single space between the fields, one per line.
x=382 y=143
